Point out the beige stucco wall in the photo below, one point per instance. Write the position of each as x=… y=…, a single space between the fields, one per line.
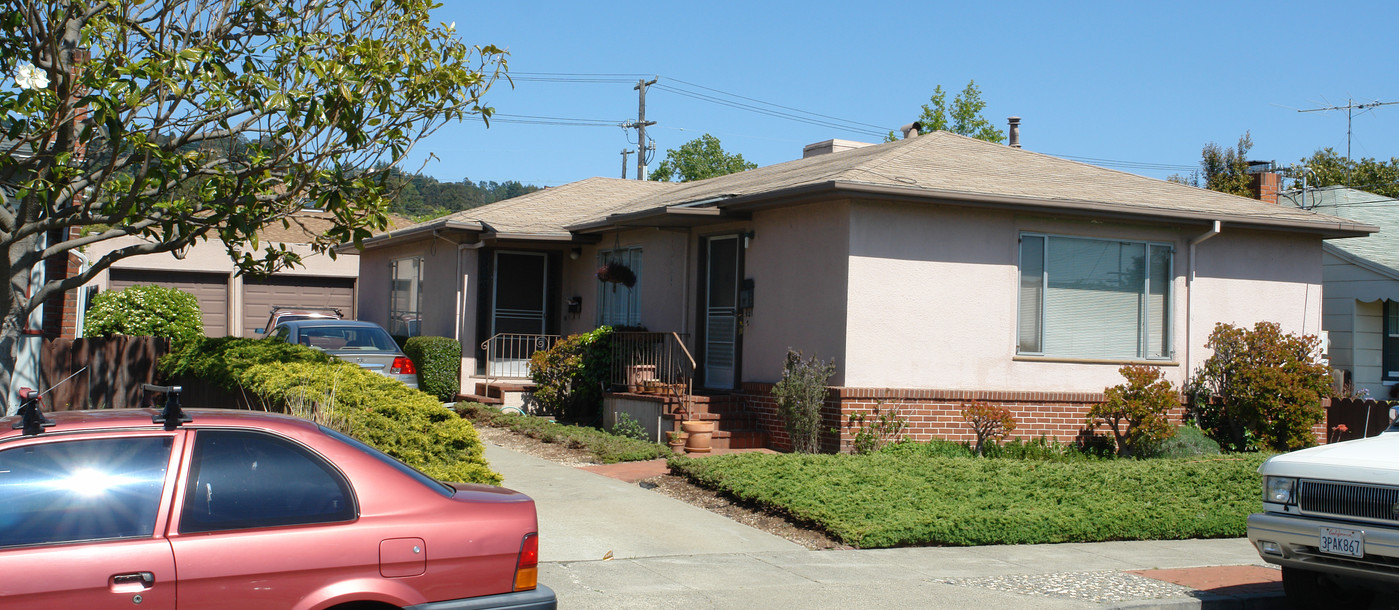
x=664 y=292
x=933 y=296
x=211 y=256
x=799 y=265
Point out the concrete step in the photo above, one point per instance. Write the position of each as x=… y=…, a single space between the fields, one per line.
x=485 y=400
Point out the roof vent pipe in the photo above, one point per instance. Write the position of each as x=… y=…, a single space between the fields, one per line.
x=1014 y=131
x=911 y=130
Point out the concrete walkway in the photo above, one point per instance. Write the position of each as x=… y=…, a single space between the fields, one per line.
x=666 y=553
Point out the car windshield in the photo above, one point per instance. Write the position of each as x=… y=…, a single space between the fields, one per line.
x=354 y=338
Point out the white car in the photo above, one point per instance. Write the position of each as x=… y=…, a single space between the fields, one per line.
x=1331 y=520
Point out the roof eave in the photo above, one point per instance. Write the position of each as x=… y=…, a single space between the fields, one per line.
x=395 y=237
x=663 y=217
x=1096 y=209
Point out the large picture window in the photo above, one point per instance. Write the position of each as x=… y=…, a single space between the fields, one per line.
x=405 y=297
x=1094 y=298
x=619 y=304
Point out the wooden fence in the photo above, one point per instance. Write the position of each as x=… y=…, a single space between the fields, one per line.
x=1361 y=417
x=116 y=368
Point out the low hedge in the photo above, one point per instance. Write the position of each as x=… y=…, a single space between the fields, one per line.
x=605 y=448
x=400 y=421
x=439 y=365
x=891 y=499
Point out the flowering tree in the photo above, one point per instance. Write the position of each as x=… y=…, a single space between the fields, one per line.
x=176 y=121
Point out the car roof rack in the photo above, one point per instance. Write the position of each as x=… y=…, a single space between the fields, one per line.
x=31 y=420
x=172 y=416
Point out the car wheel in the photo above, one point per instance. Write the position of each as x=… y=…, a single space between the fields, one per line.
x=1307 y=589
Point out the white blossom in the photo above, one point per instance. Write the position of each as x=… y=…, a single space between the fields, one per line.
x=29 y=76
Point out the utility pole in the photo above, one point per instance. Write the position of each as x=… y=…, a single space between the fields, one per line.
x=625 y=152
x=1350 y=109
x=641 y=124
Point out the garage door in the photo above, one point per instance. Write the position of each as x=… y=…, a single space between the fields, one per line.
x=260 y=295
x=210 y=288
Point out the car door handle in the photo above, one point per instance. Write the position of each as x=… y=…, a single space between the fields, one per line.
x=133 y=581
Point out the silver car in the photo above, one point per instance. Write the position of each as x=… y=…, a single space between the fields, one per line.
x=364 y=343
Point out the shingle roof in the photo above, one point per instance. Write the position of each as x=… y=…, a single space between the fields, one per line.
x=1381 y=248
x=940 y=166
x=306 y=226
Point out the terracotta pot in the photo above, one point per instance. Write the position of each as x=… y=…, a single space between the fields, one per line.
x=677 y=445
x=698 y=435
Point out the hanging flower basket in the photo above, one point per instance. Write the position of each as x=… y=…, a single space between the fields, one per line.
x=617 y=273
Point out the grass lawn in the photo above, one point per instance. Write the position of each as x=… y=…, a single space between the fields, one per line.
x=889 y=499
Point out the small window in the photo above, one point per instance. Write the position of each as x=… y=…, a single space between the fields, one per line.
x=243 y=480
x=619 y=304
x=405 y=297
x=81 y=490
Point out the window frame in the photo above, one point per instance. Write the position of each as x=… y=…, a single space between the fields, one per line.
x=194 y=470
x=632 y=258
x=150 y=506
x=1143 y=338
x=397 y=317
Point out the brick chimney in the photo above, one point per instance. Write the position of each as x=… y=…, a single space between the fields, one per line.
x=1264 y=181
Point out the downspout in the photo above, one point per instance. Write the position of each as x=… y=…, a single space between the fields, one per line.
x=80 y=316
x=1190 y=290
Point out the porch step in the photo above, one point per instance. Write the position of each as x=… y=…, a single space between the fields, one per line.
x=485 y=400
x=734 y=428
x=500 y=388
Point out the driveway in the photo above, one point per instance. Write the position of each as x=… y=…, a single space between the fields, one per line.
x=665 y=553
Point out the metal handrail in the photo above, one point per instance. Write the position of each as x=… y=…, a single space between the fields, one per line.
x=508 y=354
x=653 y=362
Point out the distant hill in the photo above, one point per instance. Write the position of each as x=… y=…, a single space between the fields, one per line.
x=423 y=197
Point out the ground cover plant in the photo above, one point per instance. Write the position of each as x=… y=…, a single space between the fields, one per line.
x=605 y=448
x=394 y=418
x=901 y=497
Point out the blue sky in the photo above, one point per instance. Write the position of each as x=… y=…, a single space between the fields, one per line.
x=1126 y=82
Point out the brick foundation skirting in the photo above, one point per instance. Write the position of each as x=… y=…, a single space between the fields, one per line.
x=937 y=414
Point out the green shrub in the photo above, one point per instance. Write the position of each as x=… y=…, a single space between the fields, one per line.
x=148 y=310
x=801 y=394
x=895 y=498
x=439 y=365
x=605 y=448
x=876 y=429
x=628 y=427
x=569 y=377
x=990 y=423
x=1260 y=388
x=1136 y=411
x=1188 y=441
x=222 y=361
x=400 y=421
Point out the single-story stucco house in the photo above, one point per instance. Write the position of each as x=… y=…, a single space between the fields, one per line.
x=1360 y=277
x=932 y=270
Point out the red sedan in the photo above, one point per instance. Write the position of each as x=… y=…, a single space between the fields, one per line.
x=236 y=509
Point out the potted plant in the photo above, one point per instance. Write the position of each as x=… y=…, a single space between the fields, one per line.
x=676 y=441
x=698 y=432
x=617 y=273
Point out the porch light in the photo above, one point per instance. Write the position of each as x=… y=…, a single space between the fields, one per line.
x=747 y=236
x=574 y=253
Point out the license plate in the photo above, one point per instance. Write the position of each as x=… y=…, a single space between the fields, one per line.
x=1350 y=543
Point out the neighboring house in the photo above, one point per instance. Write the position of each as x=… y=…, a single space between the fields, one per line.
x=934 y=270
x=234 y=305
x=1361 y=278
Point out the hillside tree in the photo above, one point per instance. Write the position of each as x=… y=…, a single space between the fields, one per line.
x=205 y=119
x=1222 y=169
x=700 y=158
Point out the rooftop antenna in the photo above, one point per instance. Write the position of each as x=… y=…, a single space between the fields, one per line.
x=1350 y=109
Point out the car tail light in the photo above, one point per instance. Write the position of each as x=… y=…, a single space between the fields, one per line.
x=527 y=570
x=403 y=366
